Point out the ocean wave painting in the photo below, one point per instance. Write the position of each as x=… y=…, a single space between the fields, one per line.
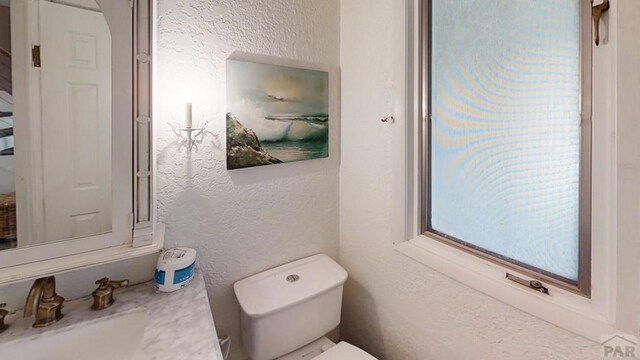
x=276 y=114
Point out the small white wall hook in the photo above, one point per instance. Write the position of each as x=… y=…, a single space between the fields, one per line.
x=389 y=119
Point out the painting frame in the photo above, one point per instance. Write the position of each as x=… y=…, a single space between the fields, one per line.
x=278 y=111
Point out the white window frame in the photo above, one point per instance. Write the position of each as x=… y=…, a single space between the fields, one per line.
x=614 y=303
x=582 y=285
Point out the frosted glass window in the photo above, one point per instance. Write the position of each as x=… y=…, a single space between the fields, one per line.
x=504 y=149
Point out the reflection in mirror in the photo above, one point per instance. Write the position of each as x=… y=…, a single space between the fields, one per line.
x=55 y=183
x=8 y=231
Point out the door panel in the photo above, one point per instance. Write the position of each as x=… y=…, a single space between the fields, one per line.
x=76 y=107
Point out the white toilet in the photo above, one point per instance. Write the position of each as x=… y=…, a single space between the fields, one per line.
x=288 y=310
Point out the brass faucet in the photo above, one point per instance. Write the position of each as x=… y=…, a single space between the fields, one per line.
x=43 y=299
x=3 y=314
x=103 y=296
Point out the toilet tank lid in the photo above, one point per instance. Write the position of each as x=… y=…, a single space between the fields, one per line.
x=288 y=285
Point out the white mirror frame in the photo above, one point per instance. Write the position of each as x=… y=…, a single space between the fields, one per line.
x=148 y=237
x=143 y=156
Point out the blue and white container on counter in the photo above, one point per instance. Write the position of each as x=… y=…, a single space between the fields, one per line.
x=175 y=269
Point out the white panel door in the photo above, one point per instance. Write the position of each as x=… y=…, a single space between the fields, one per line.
x=76 y=121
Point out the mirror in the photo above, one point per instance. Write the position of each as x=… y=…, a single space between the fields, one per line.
x=66 y=133
x=8 y=230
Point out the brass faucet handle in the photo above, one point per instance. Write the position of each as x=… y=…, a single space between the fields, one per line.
x=3 y=314
x=103 y=296
x=104 y=283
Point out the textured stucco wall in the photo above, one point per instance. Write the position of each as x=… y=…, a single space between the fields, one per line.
x=244 y=221
x=395 y=307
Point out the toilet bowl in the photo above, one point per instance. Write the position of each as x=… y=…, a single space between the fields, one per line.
x=325 y=349
x=344 y=351
x=287 y=311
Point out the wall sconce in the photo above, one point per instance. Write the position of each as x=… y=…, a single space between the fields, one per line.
x=189 y=134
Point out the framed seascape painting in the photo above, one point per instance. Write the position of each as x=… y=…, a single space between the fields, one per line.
x=276 y=114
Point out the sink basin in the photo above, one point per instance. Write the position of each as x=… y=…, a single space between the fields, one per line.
x=119 y=337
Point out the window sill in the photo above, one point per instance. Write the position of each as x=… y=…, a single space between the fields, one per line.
x=39 y=269
x=561 y=308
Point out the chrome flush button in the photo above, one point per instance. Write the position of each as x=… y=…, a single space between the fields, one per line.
x=293 y=278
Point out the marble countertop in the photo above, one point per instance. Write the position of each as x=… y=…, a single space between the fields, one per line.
x=180 y=323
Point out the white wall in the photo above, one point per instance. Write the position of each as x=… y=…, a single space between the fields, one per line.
x=7 y=163
x=394 y=307
x=244 y=221
x=7 y=174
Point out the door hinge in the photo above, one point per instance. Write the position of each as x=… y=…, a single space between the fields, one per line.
x=35 y=56
x=131 y=3
x=131 y=221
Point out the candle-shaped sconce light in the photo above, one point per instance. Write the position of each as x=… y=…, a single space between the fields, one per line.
x=194 y=134
x=188 y=115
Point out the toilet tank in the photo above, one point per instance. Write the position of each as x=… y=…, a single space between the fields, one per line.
x=290 y=306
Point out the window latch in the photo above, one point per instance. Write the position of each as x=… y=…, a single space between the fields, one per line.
x=531 y=284
x=596 y=13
